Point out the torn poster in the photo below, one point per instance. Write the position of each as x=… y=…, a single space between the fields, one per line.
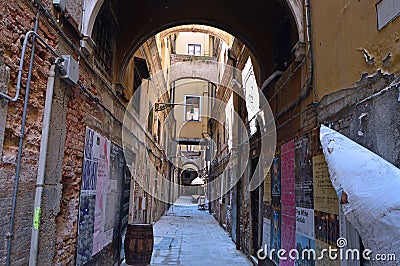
x=372 y=187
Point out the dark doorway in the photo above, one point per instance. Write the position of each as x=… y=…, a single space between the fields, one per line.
x=255 y=211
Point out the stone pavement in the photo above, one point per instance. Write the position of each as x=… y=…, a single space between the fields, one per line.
x=188 y=236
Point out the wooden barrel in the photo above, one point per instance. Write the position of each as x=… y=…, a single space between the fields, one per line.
x=138 y=244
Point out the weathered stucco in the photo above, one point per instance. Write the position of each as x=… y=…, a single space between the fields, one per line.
x=342 y=30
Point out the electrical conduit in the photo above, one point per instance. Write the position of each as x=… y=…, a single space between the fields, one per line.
x=22 y=132
x=24 y=113
x=42 y=166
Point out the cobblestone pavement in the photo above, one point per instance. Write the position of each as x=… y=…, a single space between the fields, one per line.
x=188 y=236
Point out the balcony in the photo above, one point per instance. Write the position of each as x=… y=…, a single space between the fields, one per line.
x=178 y=58
x=190 y=66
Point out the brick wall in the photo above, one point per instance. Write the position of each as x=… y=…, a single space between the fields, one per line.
x=378 y=128
x=16 y=18
x=67 y=218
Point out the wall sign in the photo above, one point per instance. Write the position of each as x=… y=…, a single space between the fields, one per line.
x=386 y=11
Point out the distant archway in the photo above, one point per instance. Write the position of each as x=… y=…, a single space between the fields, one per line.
x=188 y=175
x=197 y=28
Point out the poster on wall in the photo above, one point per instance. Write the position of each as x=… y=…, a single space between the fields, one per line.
x=325 y=198
x=266 y=240
x=85 y=229
x=347 y=231
x=267 y=188
x=275 y=234
x=100 y=189
x=303 y=242
x=276 y=182
x=303 y=172
x=101 y=194
x=115 y=183
x=88 y=196
x=326 y=227
x=90 y=163
x=305 y=222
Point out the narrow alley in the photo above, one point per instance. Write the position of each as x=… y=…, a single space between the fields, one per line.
x=201 y=133
x=188 y=236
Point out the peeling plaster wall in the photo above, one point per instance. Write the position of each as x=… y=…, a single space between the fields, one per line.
x=341 y=32
x=367 y=114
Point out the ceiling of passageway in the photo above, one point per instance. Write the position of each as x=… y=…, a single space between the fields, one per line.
x=255 y=22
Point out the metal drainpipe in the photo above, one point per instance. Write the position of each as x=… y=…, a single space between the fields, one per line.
x=310 y=48
x=42 y=165
x=21 y=64
x=271 y=78
x=22 y=133
x=308 y=86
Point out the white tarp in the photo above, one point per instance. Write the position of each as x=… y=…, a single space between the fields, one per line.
x=372 y=186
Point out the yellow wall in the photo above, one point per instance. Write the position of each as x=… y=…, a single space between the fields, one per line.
x=185 y=38
x=341 y=29
x=190 y=129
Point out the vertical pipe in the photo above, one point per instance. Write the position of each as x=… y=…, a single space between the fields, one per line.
x=310 y=46
x=42 y=165
x=22 y=133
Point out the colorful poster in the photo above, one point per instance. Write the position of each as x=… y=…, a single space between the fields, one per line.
x=101 y=194
x=326 y=227
x=288 y=207
x=85 y=229
x=325 y=198
x=305 y=222
x=305 y=258
x=267 y=188
x=90 y=163
x=88 y=196
x=94 y=215
x=303 y=171
x=267 y=211
x=275 y=234
x=276 y=182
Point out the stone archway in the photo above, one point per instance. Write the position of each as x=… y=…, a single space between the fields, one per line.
x=91 y=10
x=258 y=23
x=297 y=7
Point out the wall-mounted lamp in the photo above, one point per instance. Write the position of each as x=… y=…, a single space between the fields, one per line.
x=162 y=106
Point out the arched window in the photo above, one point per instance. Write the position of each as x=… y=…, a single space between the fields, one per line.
x=104 y=33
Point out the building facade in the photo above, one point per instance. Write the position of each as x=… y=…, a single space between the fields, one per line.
x=74 y=173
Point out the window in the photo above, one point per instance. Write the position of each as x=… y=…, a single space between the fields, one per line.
x=150 y=118
x=192 y=108
x=158 y=130
x=141 y=72
x=387 y=11
x=104 y=32
x=194 y=49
